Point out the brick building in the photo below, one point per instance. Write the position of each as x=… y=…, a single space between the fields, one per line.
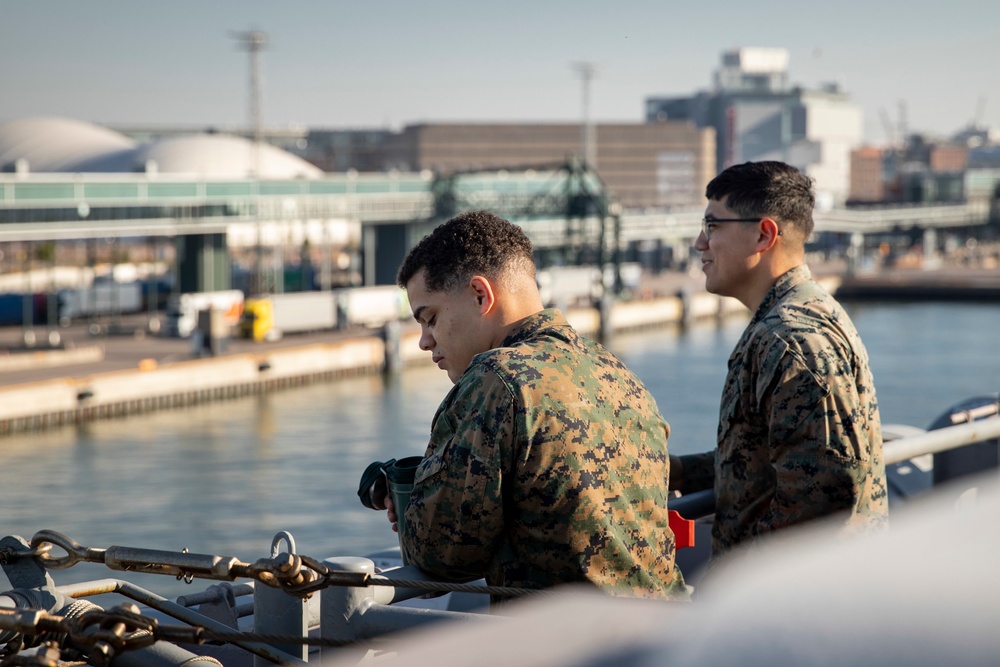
x=867 y=178
x=644 y=165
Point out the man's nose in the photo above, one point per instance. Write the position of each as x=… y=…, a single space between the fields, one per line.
x=426 y=340
x=701 y=242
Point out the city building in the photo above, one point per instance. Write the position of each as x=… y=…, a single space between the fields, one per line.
x=926 y=170
x=343 y=150
x=868 y=183
x=948 y=158
x=643 y=165
x=226 y=213
x=758 y=115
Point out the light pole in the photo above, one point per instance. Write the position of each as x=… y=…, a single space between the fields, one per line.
x=253 y=42
x=587 y=135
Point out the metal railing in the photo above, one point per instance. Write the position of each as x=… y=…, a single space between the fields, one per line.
x=356 y=607
x=702 y=503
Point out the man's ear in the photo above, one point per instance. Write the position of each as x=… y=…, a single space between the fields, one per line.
x=482 y=290
x=767 y=234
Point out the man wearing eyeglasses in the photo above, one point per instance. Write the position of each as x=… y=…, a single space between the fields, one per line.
x=799 y=433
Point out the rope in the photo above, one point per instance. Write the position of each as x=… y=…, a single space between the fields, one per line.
x=183 y=635
x=446 y=587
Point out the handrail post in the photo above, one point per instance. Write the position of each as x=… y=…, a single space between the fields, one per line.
x=275 y=612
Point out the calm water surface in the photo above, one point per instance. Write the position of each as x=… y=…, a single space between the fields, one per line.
x=223 y=478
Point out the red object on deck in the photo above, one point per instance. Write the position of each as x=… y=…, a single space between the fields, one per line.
x=683 y=529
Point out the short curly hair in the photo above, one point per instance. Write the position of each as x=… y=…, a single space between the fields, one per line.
x=473 y=243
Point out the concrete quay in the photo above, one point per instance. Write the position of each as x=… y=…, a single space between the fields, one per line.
x=126 y=370
x=122 y=375
x=916 y=284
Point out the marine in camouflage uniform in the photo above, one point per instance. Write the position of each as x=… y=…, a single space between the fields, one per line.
x=547 y=464
x=799 y=433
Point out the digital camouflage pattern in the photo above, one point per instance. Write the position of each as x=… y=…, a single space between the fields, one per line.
x=799 y=429
x=547 y=464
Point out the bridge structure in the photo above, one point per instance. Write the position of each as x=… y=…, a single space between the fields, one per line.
x=565 y=208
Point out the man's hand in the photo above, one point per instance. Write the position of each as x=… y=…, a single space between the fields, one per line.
x=373 y=487
x=391 y=513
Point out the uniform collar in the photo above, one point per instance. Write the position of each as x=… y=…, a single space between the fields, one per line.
x=782 y=286
x=531 y=325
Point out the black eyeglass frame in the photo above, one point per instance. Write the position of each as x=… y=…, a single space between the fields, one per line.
x=707 y=221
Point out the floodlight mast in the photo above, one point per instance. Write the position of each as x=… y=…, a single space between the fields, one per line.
x=253 y=42
x=587 y=138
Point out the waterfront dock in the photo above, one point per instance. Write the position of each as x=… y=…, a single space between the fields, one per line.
x=915 y=284
x=124 y=370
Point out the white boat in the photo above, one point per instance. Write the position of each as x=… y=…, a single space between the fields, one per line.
x=927 y=592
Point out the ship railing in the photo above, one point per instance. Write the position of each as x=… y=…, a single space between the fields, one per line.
x=357 y=614
x=356 y=617
x=701 y=504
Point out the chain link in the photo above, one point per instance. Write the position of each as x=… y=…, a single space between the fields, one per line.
x=103 y=634
x=100 y=634
x=48 y=655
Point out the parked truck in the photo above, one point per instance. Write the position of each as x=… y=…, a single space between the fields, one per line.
x=271 y=317
x=182 y=309
x=371 y=306
x=101 y=298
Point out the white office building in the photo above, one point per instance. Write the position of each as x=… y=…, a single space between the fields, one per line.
x=758 y=116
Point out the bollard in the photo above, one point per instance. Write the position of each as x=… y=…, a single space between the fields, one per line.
x=687 y=314
x=393 y=357
x=604 y=315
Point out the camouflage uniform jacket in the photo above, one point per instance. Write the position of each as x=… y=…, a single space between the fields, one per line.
x=799 y=430
x=547 y=464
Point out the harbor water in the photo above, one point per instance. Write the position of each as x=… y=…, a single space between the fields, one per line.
x=223 y=478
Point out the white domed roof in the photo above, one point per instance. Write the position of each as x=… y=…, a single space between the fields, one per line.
x=65 y=145
x=51 y=144
x=222 y=156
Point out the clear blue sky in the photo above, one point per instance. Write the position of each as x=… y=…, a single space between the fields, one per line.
x=383 y=63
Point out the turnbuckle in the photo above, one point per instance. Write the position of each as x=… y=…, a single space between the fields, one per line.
x=296 y=574
x=127 y=559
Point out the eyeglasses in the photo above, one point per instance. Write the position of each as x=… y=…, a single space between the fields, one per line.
x=707 y=222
